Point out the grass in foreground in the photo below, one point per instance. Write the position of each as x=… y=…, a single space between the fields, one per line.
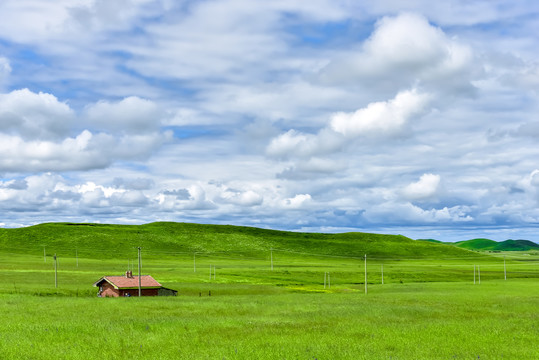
x=495 y=320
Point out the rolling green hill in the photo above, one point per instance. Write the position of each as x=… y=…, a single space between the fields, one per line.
x=431 y=240
x=491 y=245
x=168 y=238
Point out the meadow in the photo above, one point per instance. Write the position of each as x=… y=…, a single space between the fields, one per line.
x=271 y=296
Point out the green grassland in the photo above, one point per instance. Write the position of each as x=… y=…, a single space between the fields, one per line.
x=491 y=245
x=428 y=306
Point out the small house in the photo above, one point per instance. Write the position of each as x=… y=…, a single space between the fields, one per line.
x=128 y=285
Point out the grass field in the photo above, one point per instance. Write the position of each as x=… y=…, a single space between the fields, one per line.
x=428 y=306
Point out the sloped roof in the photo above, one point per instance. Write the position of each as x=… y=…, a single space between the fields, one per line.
x=122 y=282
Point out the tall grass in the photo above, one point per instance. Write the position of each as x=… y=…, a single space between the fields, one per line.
x=497 y=320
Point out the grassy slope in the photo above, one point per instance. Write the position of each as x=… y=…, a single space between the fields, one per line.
x=507 y=245
x=188 y=238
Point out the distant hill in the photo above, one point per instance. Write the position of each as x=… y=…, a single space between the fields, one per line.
x=431 y=240
x=491 y=245
x=167 y=238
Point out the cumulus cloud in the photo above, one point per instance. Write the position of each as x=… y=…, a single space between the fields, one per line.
x=297 y=202
x=37 y=133
x=388 y=117
x=83 y=152
x=192 y=198
x=242 y=198
x=17 y=184
x=130 y=115
x=396 y=213
x=34 y=116
x=405 y=49
x=296 y=144
x=426 y=188
x=378 y=119
x=180 y=194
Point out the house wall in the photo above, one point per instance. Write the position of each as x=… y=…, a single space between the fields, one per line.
x=134 y=292
x=108 y=290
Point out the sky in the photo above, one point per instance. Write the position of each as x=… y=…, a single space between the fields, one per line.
x=415 y=117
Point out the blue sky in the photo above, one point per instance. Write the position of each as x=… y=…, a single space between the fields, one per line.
x=419 y=119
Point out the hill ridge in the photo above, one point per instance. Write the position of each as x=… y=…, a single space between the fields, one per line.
x=491 y=245
x=172 y=237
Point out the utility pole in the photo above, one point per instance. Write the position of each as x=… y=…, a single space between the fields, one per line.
x=329 y=281
x=474 y=274
x=271 y=257
x=139 y=269
x=55 y=271
x=365 y=273
x=77 y=257
x=44 y=255
x=504 y=269
x=382 y=274
x=194 y=262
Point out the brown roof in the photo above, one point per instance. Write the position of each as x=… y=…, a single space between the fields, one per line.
x=122 y=282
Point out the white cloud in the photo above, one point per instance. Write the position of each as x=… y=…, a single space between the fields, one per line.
x=28 y=21
x=292 y=142
x=196 y=200
x=241 y=198
x=34 y=116
x=130 y=115
x=37 y=133
x=297 y=202
x=402 y=50
x=83 y=152
x=388 y=117
x=396 y=213
x=426 y=188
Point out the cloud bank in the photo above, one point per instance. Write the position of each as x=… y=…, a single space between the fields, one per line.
x=417 y=118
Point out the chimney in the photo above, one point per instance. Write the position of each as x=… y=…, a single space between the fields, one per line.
x=128 y=274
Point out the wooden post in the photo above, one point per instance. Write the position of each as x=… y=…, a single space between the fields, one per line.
x=365 y=273
x=139 y=275
x=504 y=269
x=329 y=281
x=55 y=271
